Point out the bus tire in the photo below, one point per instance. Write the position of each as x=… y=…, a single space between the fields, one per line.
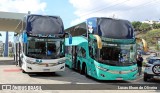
x=23 y=71
x=85 y=73
x=20 y=63
x=78 y=67
x=82 y=71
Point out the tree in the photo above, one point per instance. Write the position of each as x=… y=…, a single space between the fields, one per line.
x=136 y=25
x=156 y=25
x=150 y=36
x=145 y=27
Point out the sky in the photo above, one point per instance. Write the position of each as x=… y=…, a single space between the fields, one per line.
x=75 y=11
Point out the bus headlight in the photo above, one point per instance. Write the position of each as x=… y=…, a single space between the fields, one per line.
x=61 y=62
x=134 y=69
x=101 y=68
x=30 y=62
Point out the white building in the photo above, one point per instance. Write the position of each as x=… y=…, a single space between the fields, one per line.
x=10 y=48
x=151 y=22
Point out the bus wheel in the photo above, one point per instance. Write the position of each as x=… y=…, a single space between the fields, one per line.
x=86 y=74
x=78 y=67
x=20 y=62
x=23 y=71
x=82 y=71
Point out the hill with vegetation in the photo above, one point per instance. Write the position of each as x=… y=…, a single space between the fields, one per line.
x=151 y=35
x=148 y=32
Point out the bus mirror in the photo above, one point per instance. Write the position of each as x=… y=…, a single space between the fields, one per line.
x=145 y=48
x=24 y=38
x=99 y=42
x=144 y=43
x=70 y=39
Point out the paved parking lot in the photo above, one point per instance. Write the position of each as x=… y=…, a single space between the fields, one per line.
x=11 y=74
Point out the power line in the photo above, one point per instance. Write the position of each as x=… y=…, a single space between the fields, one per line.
x=95 y=8
x=141 y=5
x=145 y=4
x=105 y=8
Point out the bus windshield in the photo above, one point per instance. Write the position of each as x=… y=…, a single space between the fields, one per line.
x=45 y=25
x=118 y=54
x=117 y=29
x=45 y=48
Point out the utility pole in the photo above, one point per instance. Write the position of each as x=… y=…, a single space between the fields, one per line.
x=6 y=46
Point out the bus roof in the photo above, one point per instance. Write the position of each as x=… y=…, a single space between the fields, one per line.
x=105 y=27
x=43 y=24
x=75 y=40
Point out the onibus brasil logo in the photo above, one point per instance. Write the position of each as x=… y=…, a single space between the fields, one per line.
x=21 y=87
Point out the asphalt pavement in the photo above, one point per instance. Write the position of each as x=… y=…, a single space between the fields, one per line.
x=12 y=74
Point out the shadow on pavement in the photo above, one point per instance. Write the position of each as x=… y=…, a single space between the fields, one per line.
x=154 y=81
x=73 y=77
x=43 y=74
x=112 y=81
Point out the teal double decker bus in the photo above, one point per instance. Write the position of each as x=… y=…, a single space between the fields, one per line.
x=103 y=48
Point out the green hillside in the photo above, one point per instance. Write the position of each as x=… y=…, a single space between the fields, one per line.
x=149 y=36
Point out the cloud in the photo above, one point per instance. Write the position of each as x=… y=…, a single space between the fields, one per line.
x=133 y=10
x=22 y=6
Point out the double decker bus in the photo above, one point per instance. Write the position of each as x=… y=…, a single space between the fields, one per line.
x=103 y=48
x=39 y=47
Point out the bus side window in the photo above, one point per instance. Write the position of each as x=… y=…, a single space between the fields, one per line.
x=95 y=53
x=70 y=50
x=91 y=51
x=78 y=51
x=83 y=52
x=95 y=50
x=66 y=50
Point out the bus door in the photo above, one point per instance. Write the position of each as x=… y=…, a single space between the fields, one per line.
x=74 y=56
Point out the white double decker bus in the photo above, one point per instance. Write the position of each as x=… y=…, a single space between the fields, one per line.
x=39 y=47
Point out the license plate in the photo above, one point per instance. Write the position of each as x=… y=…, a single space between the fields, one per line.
x=119 y=78
x=46 y=70
x=157 y=77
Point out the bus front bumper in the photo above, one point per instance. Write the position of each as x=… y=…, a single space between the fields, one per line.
x=131 y=76
x=40 y=68
x=116 y=75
